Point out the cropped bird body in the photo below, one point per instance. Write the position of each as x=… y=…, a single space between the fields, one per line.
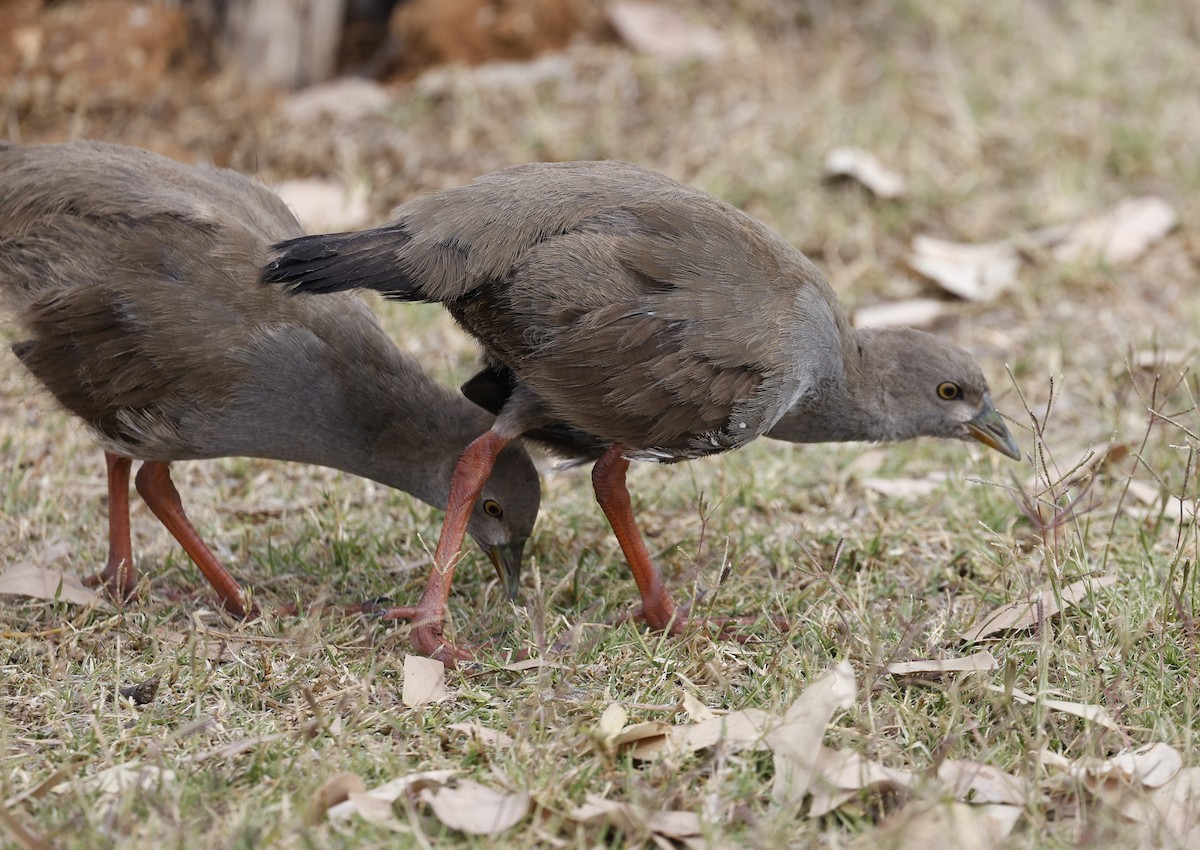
x=625 y=316
x=132 y=280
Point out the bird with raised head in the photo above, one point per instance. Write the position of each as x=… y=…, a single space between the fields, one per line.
x=625 y=316
x=132 y=282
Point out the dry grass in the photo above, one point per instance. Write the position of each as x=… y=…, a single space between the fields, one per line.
x=1004 y=117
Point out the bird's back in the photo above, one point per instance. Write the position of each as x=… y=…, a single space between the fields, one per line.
x=638 y=310
x=117 y=184
x=132 y=279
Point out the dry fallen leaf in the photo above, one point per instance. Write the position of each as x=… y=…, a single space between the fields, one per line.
x=648 y=748
x=373 y=810
x=611 y=722
x=1118 y=235
x=842 y=775
x=1145 y=785
x=867 y=463
x=658 y=30
x=1170 y=814
x=865 y=167
x=638 y=732
x=635 y=821
x=389 y=792
x=52 y=553
x=910 y=313
x=1107 y=458
x=531 y=664
x=923 y=824
x=696 y=710
x=975 y=663
x=984 y=271
x=25 y=579
x=974 y=782
x=1150 y=766
x=334 y=790
x=974 y=272
x=1180 y=509
x=494 y=77
x=675 y=824
x=738 y=730
x=1156 y=502
x=119 y=779
x=424 y=681
x=1051 y=760
x=1022 y=615
x=612 y=733
x=487 y=737
x=1094 y=713
x=1144 y=492
x=906 y=488
x=796 y=742
x=37 y=792
x=476 y=809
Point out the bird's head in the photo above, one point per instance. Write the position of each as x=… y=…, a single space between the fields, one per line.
x=924 y=386
x=504 y=513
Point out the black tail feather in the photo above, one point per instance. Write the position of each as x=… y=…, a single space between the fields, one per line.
x=24 y=347
x=337 y=262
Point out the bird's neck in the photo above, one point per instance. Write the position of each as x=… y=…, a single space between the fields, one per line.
x=367 y=409
x=846 y=407
x=414 y=434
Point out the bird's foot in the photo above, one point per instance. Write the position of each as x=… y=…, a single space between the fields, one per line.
x=428 y=641
x=426 y=635
x=119 y=579
x=238 y=608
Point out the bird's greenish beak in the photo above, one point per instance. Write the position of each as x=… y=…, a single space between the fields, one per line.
x=988 y=428
x=507 y=561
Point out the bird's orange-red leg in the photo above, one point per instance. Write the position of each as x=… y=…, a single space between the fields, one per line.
x=154 y=484
x=608 y=480
x=428 y=616
x=119 y=576
x=658 y=609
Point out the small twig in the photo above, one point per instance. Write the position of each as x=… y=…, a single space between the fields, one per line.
x=1030 y=507
x=1139 y=458
x=1170 y=418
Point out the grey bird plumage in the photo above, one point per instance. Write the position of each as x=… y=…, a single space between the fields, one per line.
x=643 y=312
x=132 y=282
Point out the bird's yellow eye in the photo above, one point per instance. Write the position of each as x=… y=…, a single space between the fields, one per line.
x=492 y=508
x=948 y=391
